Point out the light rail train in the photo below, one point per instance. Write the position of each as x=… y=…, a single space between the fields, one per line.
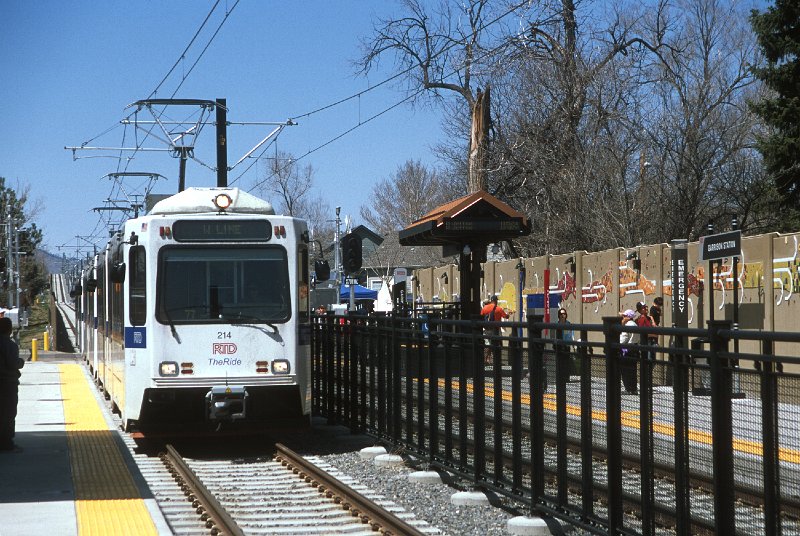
x=198 y=314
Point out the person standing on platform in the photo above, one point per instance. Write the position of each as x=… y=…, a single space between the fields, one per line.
x=492 y=312
x=656 y=309
x=564 y=337
x=628 y=362
x=566 y=330
x=10 y=364
x=644 y=320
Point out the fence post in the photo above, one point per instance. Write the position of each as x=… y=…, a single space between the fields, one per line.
x=613 y=423
x=381 y=369
x=316 y=377
x=587 y=443
x=515 y=350
x=353 y=358
x=433 y=398
x=680 y=392
x=395 y=385
x=722 y=427
x=479 y=402
x=769 y=435
x=535 y=372
x=562 y=364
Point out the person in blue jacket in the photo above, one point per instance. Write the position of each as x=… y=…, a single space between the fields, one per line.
x=10 y=364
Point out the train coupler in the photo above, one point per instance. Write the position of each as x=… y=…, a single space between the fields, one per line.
x=226 y=403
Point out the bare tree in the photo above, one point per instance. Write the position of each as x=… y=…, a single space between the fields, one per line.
x=442 y=49
x=612 y=125
x=562 y=124
x=407 y=195
x=288 y=184
x=290 y=188
x=700 y=134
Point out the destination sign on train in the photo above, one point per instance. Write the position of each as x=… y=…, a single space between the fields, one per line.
x=216 y=230
x=719 y=246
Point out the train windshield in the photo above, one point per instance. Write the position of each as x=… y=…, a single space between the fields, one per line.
x=230 y=284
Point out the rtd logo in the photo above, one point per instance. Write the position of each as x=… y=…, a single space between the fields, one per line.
x=225 y=348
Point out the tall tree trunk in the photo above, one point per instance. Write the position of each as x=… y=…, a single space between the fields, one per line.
x=479 y=141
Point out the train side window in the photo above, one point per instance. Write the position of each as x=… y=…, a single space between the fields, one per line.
x=138 y=285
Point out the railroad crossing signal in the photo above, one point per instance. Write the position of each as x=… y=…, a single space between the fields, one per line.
x=351 y=253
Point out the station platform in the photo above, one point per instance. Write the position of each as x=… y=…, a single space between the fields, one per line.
x=72 y=474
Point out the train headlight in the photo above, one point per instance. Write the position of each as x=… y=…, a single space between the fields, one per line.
x=280 y=366
x=168 y=368
x=222 y=201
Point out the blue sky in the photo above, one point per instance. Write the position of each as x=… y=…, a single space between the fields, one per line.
x=70 y=69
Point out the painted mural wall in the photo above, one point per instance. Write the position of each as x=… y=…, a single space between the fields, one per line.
x=603 y=283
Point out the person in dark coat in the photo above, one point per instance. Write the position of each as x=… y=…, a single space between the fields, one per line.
x=10 y=364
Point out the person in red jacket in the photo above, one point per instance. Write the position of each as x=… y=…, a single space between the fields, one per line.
x=644 y=320
x=492 y=312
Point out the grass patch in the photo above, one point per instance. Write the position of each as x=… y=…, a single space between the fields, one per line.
x=37 y=324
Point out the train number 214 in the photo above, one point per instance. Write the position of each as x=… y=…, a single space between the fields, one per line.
x=223 y=335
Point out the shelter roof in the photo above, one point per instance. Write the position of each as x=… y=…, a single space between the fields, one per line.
x=478 y=218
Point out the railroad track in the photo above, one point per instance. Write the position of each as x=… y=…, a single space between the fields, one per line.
x=287 y=494
x=211 y=512
x=366 y=510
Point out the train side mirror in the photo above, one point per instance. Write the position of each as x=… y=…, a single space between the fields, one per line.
x=91 y=284
x=322 y=270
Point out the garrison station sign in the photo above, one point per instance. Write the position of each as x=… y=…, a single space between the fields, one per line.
x=719 y=246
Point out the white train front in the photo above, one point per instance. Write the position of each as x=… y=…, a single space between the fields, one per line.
x=201 y=314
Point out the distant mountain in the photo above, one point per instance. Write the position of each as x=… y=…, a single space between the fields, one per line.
x=54 y=264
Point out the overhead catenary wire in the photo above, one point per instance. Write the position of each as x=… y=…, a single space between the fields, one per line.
x=181 y=57
x=202 y=52
x=357 y=95
x=335 y=138
x=485 y=55
x=185 y=50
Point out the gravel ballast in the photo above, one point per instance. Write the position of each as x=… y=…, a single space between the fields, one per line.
x=429 y=502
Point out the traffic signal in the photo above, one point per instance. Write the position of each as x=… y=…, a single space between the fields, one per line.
x=351 y=253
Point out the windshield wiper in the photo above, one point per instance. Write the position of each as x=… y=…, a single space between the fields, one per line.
x=172 y=326
x=240 y=318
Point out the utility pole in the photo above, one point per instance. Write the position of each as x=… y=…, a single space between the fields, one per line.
x=337 y=257
x=222 y=143
x=17 y=271
x=9 y=267
x=16 y=265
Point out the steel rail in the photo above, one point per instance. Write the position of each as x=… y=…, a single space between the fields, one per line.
x=359 y=506
x=211 y=511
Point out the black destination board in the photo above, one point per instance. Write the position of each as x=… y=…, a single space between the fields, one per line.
x=482 y=225
x=719 y=246
x=221 y=231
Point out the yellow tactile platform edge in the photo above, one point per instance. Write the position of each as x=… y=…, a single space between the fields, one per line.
x=106 y=498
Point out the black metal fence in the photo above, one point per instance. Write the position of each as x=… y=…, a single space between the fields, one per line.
x=705 y=439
